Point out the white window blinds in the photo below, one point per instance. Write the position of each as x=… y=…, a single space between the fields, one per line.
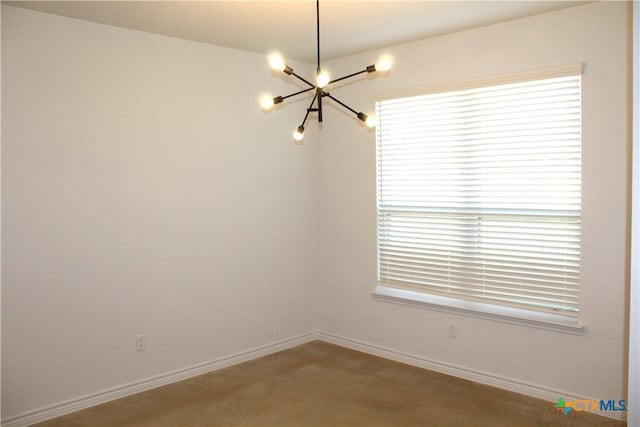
x=479 y=194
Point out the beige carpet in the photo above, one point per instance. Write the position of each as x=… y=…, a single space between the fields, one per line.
x=319 y=384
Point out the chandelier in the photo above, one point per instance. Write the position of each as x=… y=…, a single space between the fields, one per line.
x=323 y=81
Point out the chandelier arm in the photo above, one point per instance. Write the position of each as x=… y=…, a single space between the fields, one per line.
x=349 y=76
x=282 y=98
x=310 y=109
x=343 y=104
x=304 y=80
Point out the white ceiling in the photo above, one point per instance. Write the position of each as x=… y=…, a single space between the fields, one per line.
x=346 y=27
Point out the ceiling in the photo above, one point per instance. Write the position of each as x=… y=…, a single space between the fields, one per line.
x=347 y=27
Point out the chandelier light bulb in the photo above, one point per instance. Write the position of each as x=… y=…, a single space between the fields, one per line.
x=266 y=102
x=322 y=80
x=299 y=133
x=370 y=122
x=276 y=62
x=384 y=63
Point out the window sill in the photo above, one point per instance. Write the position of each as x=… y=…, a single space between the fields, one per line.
x=552 y=322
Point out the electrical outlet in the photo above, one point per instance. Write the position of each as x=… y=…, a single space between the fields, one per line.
x=141 y=342
x=453 y=330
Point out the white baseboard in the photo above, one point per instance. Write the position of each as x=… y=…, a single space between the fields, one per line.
x=510 y=384
x=63 y=408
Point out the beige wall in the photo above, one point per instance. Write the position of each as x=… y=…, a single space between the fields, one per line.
x=143 y=191
x=591 y=365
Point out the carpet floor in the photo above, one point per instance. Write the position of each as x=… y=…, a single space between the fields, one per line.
x=319 y=384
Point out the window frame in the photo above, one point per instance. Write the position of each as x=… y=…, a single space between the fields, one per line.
x=488 y=310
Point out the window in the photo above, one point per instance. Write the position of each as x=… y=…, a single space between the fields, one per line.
x=479 y=194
